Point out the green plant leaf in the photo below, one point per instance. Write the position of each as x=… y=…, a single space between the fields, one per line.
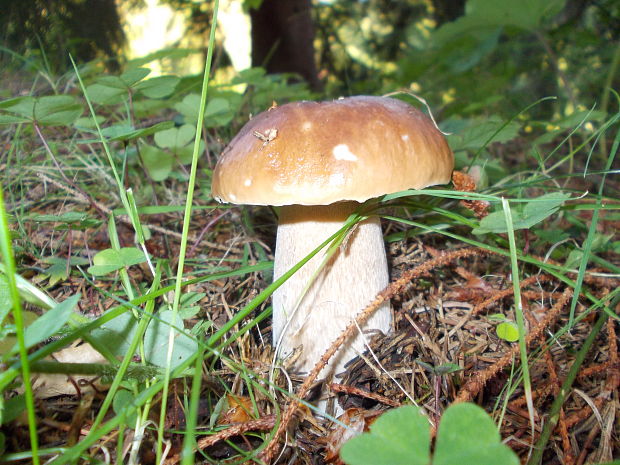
x=55 y=273
x=250 y=76
x=134 y=75
x=31 y=293
x=58 y=270
x=115 y=89
x=447 y=368
x=187 y=309
x=217 y=113
x=524 y=218
x=156 y=340
x=77 y=221
x=110 y=260
x=51 y=110
x=398 y=437
x=12 y=408
x=157 y=162
x=116 y=334
x=474 y=133
x=175 y=137
x=158 y=87
x=108 y=92
x=57 y=110
x=88 y=122
x=468 y=436
x=67 y=217
x=541 y=208
x=143 y=132
x=125 y=132
x=114 y=131
x=121 y=399
x=480 y=14
x=23 y=106
x=50 y=322
x=10 y=119
x=130 y=133
x=6 y=303
x=188 y=107
x=186 y=153
x=508 y=331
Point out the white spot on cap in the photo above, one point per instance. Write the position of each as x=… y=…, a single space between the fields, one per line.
x=233 y=197
x=247 y=182
x=342 y=152
x=405 y=137
x=336 y=179
x=306 y=126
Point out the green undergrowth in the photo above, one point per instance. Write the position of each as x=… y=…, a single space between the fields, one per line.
x=123 y=151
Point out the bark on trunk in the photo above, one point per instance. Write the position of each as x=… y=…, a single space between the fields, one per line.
x=282 y=38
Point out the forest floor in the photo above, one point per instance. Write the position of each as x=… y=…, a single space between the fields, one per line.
x=448 y=298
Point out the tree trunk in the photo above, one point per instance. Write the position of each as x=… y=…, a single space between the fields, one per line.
x=282 y=39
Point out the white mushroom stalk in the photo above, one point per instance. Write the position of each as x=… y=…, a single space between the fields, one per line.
x=317 y=303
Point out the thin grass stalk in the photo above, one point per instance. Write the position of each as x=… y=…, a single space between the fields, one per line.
x=592 y=232
x=185 y=232
x=189 y=440
x=9 y=263
x=106 y=148
x=514 y=264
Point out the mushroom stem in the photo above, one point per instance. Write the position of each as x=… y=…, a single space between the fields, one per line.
x=347 y=283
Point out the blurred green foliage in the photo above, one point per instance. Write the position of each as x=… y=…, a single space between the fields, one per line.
x=494 y=56
x=498 y=56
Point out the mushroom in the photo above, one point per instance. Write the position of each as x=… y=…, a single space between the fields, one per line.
x=318 y=161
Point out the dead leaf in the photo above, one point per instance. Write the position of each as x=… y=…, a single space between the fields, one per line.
x=239 y=408
x=51 y=385
x=357 y=421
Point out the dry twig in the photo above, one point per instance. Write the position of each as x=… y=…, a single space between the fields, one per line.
x=262 y=424
x=353 y=391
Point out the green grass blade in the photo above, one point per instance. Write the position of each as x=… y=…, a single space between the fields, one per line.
x=587 y=247
x=9 y=264
x=186 y=222
x=514 y=264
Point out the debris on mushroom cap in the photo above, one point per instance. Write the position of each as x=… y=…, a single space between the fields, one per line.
x=317 y=153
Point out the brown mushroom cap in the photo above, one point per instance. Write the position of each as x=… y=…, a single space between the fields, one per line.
x=318 y=153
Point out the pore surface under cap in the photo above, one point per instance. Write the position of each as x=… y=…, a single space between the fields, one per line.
x=318 y=153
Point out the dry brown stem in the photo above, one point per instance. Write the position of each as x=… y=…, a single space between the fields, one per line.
x=614 y=371
x=508 y=292
x=478 y=381
x=568 y=458
x=353 y=391
x=262 y=424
